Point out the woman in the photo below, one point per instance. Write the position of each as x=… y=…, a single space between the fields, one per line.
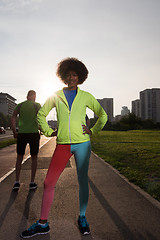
x=73 y=138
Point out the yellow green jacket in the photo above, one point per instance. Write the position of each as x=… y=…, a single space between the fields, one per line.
x=70 y=121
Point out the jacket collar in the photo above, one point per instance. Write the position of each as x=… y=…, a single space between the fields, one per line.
x=61 y=95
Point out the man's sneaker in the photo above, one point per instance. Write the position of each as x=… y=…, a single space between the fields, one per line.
x=83 y=225
x=33 y=186
x=35 y=229
x=16 y=186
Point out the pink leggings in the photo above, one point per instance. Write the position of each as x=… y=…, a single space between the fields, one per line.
x=59 y=160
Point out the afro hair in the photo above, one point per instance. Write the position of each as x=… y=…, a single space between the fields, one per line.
x=72 y=64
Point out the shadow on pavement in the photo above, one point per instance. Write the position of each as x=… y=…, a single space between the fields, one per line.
x=122 y=227
x=11 y=200
x=25 y=216
x=28 y=202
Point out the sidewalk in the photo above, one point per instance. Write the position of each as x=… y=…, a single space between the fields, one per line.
x=8 y=157
x=117 y=210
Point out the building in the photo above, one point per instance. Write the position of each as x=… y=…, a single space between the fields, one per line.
x=117 y=118
x=52 y=124
x=136 y=107
x=150 y=104
x=107 y=104
x=7 y=104
x=125 y=111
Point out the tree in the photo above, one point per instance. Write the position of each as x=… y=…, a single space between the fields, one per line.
x=5 y=121
x=131 y=121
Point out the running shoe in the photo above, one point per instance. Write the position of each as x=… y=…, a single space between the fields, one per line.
x=33 y=186
x=83 y=225
x=16 y=186
x=35 y=229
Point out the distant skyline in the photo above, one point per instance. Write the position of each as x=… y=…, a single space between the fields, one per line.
x=118 y=41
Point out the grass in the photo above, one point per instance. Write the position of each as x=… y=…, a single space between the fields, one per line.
x=7 y=143
x=135 y=154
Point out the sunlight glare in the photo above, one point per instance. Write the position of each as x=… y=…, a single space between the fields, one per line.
x=48 y=89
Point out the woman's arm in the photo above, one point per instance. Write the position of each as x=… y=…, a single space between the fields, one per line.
x=42 y=114
x=95 y=106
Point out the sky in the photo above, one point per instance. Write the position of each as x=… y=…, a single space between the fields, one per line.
x=118 y=41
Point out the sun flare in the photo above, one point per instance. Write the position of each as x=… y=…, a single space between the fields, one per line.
x=48 y=89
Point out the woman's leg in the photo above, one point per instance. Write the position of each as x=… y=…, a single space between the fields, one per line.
x=82 y=152
x=59 y=160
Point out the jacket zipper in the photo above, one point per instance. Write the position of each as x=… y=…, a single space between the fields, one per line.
x=69 y=118
x=70 y=126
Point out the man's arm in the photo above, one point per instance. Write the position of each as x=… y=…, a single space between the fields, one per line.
x=13 y=123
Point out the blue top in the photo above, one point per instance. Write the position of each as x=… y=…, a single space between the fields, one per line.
x=70 y=95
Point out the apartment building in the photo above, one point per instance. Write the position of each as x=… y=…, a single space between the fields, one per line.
x=150 y=104
x=7 y=104
x=136 y=107
x=107 y=104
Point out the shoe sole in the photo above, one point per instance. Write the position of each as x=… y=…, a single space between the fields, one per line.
x=32 y=188
x=15 y=189
x=34 y=234
x=86 y=233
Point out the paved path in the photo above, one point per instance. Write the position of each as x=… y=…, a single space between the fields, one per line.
x=117 y=210
x=8 y=157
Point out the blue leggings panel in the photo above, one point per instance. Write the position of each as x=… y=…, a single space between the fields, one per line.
x=82 y=152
